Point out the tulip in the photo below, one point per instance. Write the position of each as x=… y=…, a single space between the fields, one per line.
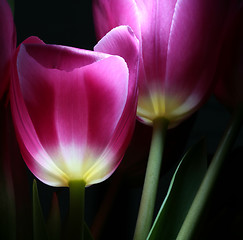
x=7 y=44
x=74 y=110
x=229 y=76
x=179 y=43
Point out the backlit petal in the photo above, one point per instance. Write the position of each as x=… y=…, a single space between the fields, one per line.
x=109 y=14
x=122 y=41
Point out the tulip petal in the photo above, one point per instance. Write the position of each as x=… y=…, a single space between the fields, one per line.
x=125 y=12
x=191 y=53
x=156 y=18
x=123 y=42
x=32 y=151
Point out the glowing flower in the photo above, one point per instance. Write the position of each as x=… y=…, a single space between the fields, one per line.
x=7 y=44
x=74 y=110
x=179 y=42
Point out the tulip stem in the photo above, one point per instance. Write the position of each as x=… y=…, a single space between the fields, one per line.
x=197 y=208
x=146 y=210
x=76 y=211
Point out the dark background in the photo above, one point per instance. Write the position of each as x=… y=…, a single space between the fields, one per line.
x=70 y=23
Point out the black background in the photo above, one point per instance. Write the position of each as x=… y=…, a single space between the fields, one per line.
x=71 y=23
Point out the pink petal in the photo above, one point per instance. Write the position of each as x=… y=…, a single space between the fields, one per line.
x=98 y=94
x=7 y=44
x=34 y=155
x=121 y=41
x=109 y=14
x=193 y=47
x=61 y=89
x=155 y=20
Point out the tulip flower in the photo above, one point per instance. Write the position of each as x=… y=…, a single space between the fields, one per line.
x=179 y=41
x=7 y=44
x=230 y=69
x=74 y=110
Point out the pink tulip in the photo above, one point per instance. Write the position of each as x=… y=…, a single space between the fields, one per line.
x=179 y=43
x=7 y=44
x=229 y=87
x=74 y=110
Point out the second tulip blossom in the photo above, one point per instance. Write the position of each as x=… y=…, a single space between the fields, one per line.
x=74 y=110
x=7 y=44
x=229 y=76
x=179 y=44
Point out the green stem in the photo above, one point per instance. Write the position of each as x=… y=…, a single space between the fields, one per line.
x=193 y=217
x=39 y=225
x=76 y=211
x=146 y=210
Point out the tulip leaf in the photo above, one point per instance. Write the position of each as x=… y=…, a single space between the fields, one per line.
x=87 y=233
x=11 y=4
x=39 y=226
x=7 y=213
x=54 y=220
x=182 y=190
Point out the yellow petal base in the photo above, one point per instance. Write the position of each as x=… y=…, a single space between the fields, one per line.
x=158 y=105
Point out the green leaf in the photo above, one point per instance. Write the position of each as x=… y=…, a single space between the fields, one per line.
x=54 y=220
x=39 y=226
x=87 y=233
x=182 y=190
x=7 y=213
x=191 y=224
x=11 y=4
